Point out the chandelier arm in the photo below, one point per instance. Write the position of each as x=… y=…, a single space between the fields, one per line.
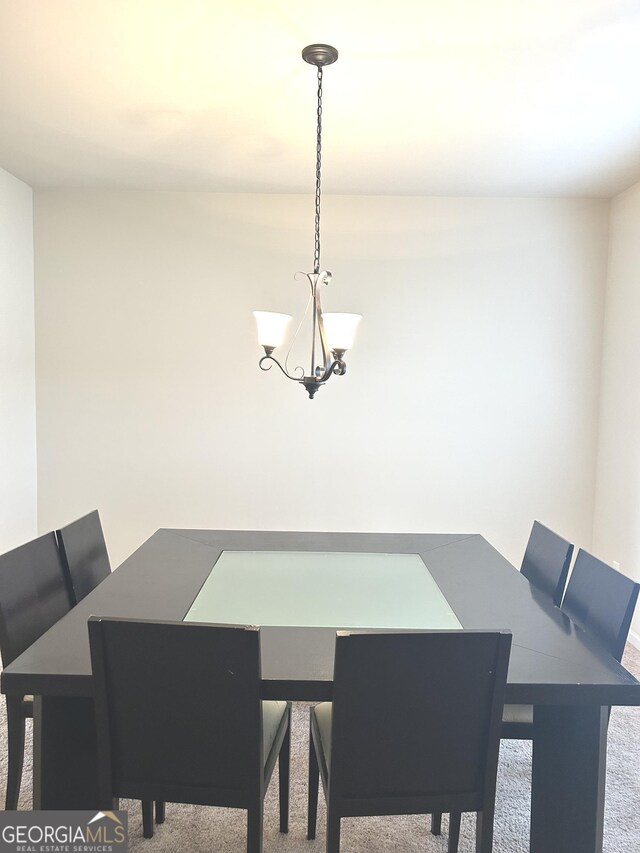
x=326 y=354
x=337 y=367
x=297 y=332
x=265 y=358
x=316 y=317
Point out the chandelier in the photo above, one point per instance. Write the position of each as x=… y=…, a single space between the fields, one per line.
x=332 y=333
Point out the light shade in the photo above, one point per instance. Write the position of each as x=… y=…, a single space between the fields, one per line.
x=272 y=327
x=340 y=329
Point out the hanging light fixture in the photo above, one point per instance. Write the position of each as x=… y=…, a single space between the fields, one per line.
x=331 y=334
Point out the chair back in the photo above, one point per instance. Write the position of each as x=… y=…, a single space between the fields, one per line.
x=84 y=552
x=417 y=715
x=178 y=710
x=601 y=601
x=33 y=594
x=546 y=561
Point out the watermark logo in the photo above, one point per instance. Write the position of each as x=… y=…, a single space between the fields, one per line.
x=63 y=832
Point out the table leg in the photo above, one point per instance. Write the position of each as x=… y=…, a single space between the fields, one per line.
x=569 y=768
x=65 y=764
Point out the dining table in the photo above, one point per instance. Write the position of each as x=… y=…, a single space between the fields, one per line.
x=302 y=587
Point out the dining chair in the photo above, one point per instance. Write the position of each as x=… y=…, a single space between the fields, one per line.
x=413 y=728
x=85 y=556
x=601 y=601
x=545 y=565
x=179 y=718
x=33 y=597
x=546 y=561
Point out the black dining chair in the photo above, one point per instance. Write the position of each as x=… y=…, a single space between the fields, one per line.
x=414 y=728
x=33 y=597
x=546 y=561
x=601 y=601
x=85 y=556
x=179 y=718
x=545 y=565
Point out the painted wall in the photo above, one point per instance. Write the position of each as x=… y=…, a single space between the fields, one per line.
x=472 y=394
x=617 y=514
x=17 y=365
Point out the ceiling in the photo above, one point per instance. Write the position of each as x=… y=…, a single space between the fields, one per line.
x=429 y=97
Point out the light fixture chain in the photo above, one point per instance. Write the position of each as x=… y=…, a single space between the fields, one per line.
x=316 y=254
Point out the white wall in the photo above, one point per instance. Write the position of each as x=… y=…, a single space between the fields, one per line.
x=472 y=394
x=17 y=365
x=617 y=514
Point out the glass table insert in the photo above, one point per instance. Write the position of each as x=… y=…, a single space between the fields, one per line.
x=318 y=589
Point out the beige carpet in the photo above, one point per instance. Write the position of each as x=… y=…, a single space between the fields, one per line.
x=209 y=830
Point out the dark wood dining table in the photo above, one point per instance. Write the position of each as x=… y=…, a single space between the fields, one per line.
x=556 y=667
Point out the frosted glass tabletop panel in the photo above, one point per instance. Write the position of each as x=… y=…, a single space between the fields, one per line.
x=311 y=589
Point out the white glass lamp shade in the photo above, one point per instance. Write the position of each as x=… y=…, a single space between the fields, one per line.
x=272 y=327
x=340 y=329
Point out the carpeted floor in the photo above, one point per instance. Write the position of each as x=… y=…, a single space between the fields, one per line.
x=210 y=830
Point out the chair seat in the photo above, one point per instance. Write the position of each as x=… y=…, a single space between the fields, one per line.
x=272 y=714
x=322 y=713
x=518 y=714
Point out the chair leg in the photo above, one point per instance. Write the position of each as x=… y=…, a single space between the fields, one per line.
x=15 y=727
x=254 y=828
x=159 y=811
x=436 y=823
x=454 y=832
x=333 y=831
x=484 y=831
x=283 y=776
x=314 y=781
x=147 y=818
